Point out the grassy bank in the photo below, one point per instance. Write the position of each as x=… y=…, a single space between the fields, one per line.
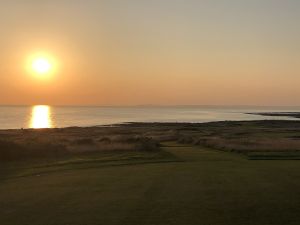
x=68 y=142
x=182 y=178
x=252 y=138
x=203 y=186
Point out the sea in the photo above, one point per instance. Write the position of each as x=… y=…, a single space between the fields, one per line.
x=45 y=116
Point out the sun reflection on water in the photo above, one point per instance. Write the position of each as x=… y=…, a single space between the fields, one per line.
x=41 y=117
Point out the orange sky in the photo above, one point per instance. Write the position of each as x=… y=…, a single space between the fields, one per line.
x=167 y=52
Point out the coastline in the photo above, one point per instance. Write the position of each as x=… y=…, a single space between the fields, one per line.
x=280 y=114
x=57 y=116
x=145 y=170
x=245 y=137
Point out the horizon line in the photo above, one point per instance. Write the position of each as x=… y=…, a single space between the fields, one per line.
x=149 y=105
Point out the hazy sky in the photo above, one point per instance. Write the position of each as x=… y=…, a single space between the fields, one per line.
x=131 y=52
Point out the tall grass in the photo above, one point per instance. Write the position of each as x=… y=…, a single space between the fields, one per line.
x=9 y=150
x=55 y=143
x=244 y=144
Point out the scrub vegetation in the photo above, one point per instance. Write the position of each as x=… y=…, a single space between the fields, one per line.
x=152 y=173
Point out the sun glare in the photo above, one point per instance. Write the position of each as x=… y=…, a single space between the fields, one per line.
x=41 y=117
x=41 y=65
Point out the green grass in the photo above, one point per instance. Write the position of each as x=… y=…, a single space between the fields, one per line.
x=182 y=185
x=36 y=167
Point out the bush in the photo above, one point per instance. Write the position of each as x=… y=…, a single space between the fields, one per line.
x=147 y=144
x=84 y=141
x=10 y=150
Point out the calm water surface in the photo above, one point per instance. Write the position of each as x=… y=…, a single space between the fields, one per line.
x=43 y=116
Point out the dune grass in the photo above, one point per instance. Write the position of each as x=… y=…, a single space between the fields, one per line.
x=162 y=174
x=276 y=139
x=59 y=143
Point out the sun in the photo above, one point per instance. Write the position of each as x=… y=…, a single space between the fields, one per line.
x=41 y=65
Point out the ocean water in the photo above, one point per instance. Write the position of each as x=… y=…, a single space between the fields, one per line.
x=43 y=116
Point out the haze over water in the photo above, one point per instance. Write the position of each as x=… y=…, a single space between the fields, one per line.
x=42 y=116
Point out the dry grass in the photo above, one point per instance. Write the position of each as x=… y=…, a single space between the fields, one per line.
x=248 y=145
x=17 y=144
x=251 y=136
x=10 y=150
x=245 y=137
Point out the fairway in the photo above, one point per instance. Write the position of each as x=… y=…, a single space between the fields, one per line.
x=196 y=186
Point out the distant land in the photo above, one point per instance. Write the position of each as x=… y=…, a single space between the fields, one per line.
x=288 y=114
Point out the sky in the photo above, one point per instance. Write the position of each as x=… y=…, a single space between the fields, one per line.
x=158 y=52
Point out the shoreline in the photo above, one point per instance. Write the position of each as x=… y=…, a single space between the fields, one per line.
x=295 y=118
x=62 y=117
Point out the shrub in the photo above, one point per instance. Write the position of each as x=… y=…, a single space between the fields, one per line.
x=10 y=150
x=84 y=141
